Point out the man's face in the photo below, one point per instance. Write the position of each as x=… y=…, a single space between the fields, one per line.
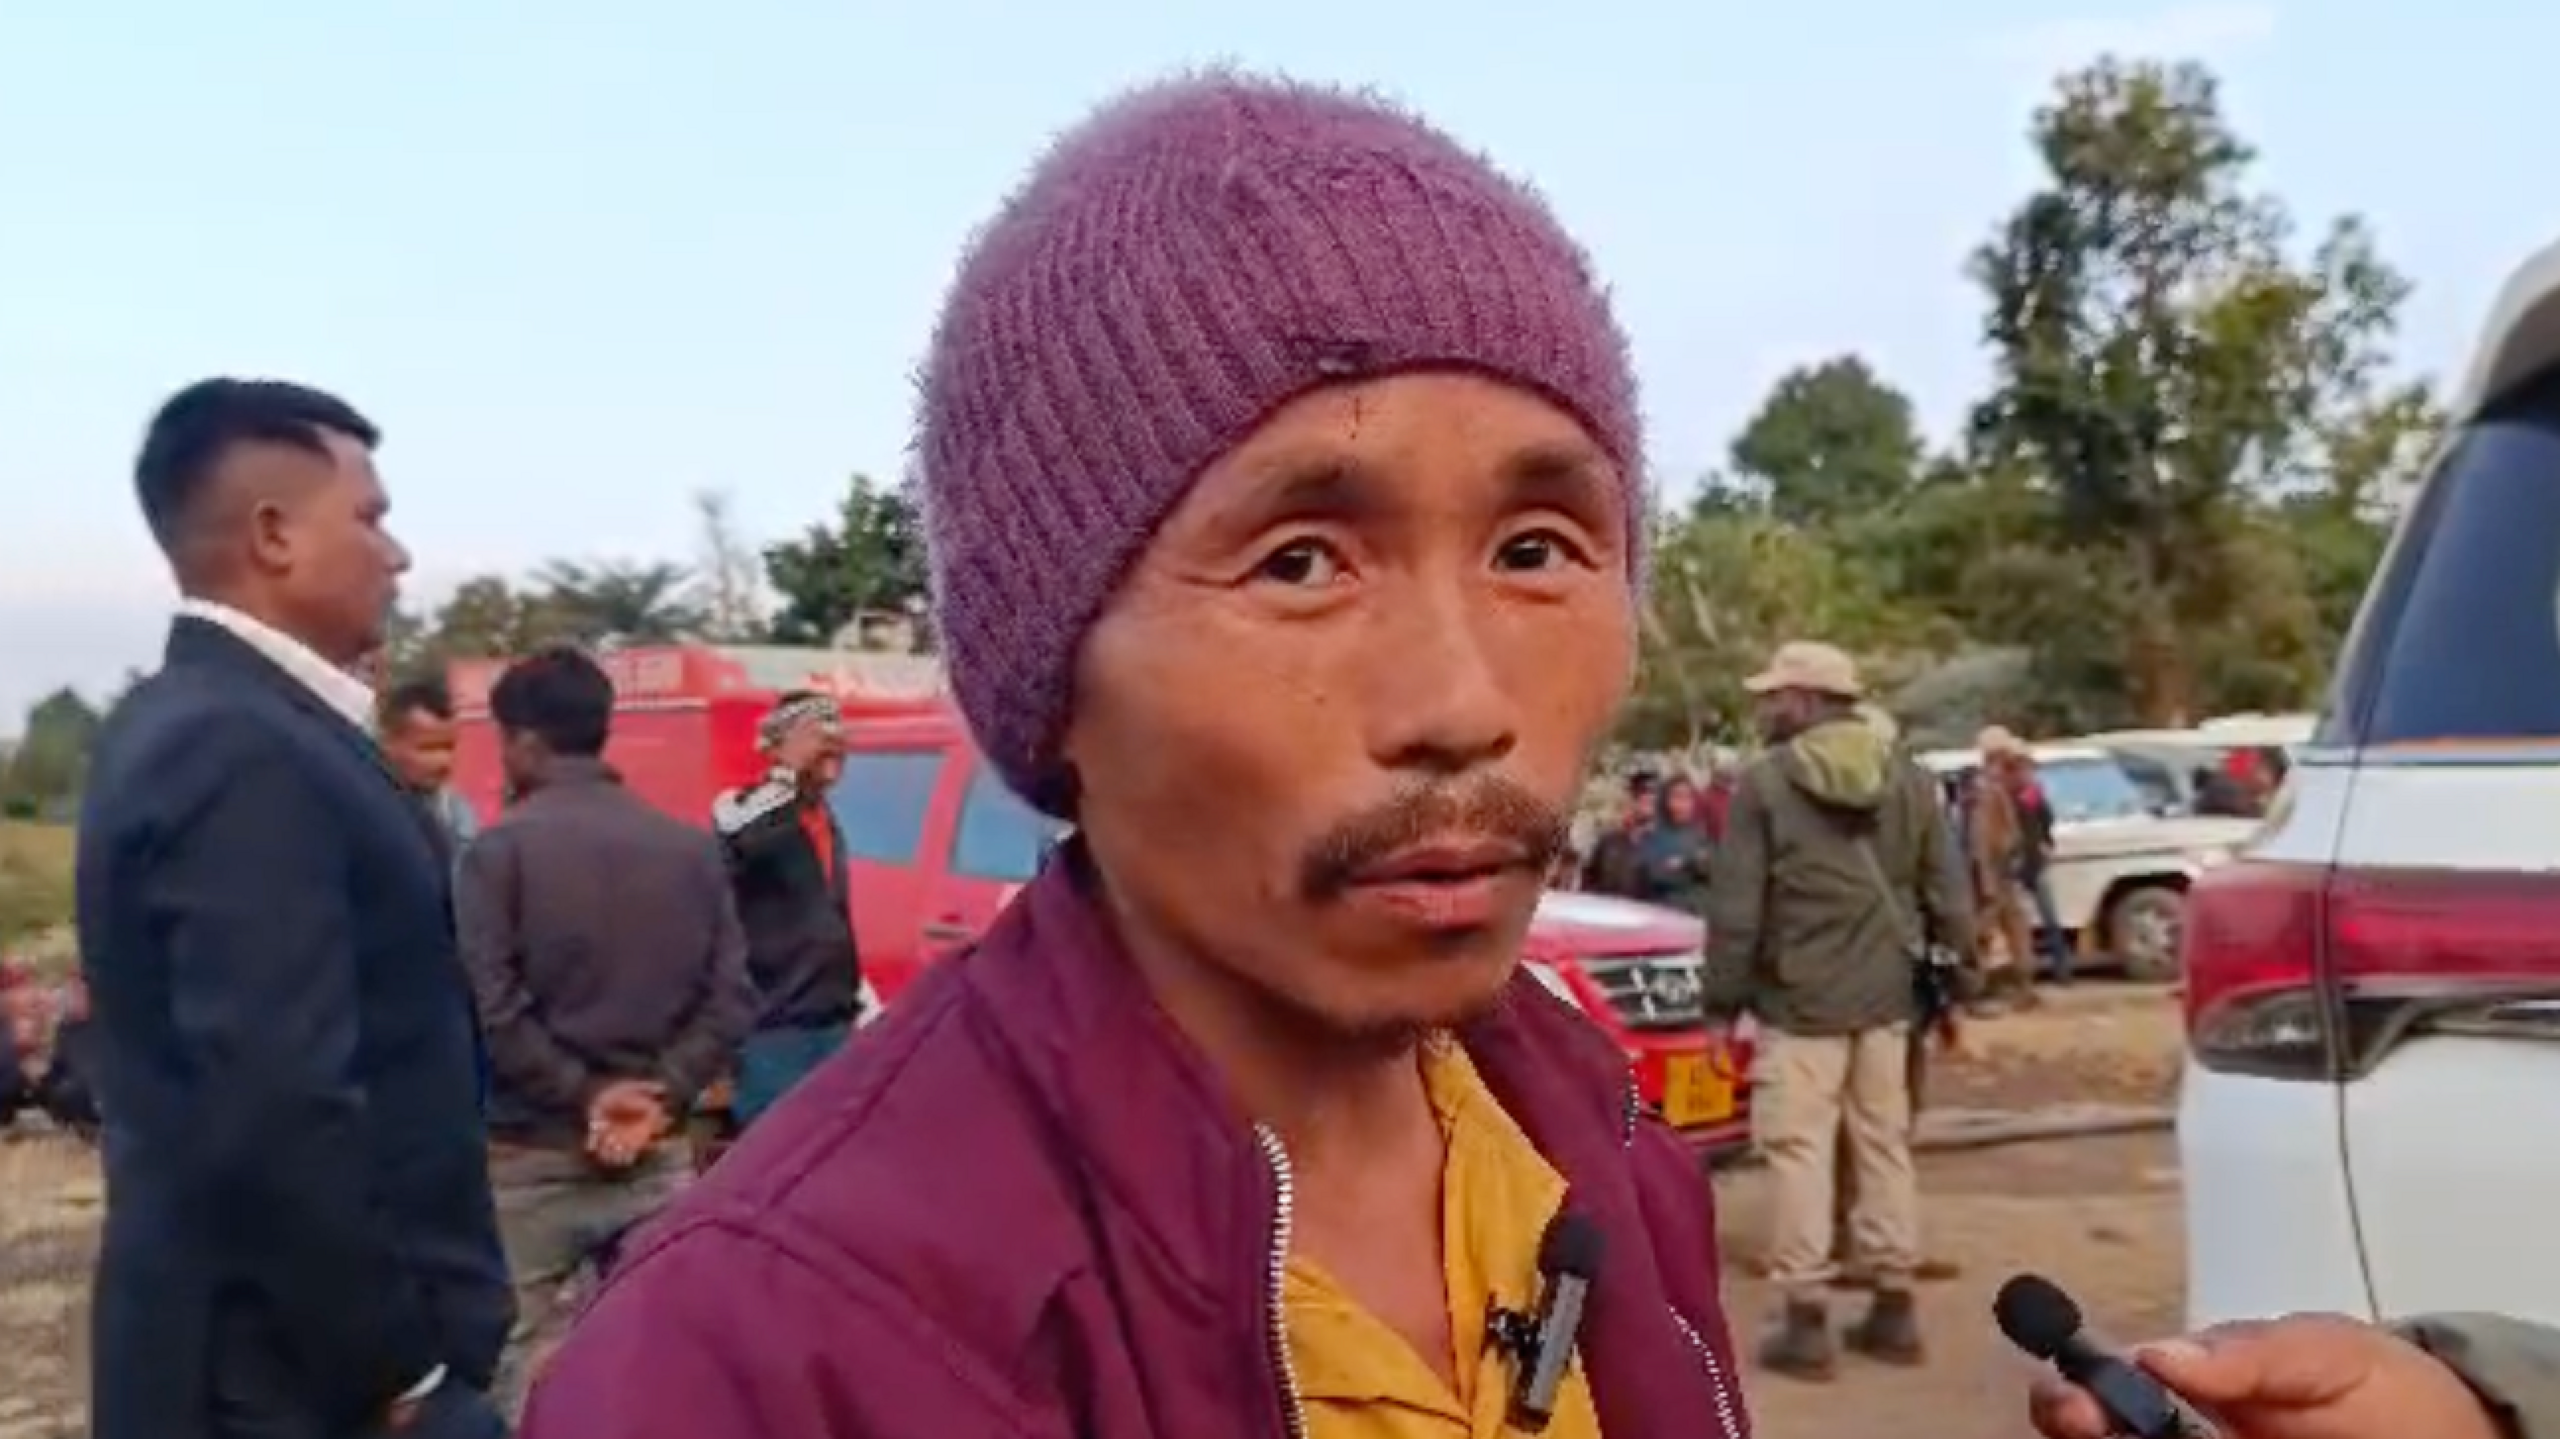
x=420 y=748
x=1329 y=732
x=1641 y=807
x=813 y=750
x=319 y=536
x=1777 y=715
x=1680 y=804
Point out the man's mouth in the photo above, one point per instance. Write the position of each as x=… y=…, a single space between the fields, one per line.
x=1448 y=862
x=1451 y=886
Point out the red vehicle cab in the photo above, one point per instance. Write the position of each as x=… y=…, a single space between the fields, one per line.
x=936 y=845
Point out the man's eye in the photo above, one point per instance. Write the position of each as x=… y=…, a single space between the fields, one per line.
x=1536 y=550
x=1301 y=562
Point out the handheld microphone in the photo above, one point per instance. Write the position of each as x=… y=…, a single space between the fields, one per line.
x=1568 y=1260
x=2040 y=1319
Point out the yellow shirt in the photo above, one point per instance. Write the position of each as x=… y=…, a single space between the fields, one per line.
x=1359 y=1379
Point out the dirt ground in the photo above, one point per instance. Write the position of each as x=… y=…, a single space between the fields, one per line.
x=2098 y=1215
x=48 y=1231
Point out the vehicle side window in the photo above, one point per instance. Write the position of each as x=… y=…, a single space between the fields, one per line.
x=2460 y=634
x=2158 y=786
x=881 y=799
x=999 y=837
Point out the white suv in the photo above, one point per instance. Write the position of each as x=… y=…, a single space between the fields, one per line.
x=2373 y=983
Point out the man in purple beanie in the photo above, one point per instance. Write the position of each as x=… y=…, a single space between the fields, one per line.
x=1284 y=489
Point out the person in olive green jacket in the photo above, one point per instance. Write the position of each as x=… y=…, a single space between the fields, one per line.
x=2453 y=1376
x=1836 y=867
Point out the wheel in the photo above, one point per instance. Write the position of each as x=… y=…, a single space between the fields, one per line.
x=2143 y=928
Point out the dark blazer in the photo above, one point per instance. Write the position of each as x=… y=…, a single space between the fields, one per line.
x=298 y=1225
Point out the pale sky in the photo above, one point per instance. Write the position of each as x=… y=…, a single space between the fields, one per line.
x=582 y=259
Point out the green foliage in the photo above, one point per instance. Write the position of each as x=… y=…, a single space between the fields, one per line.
x=1832 y=440
x=565 y=602
x=51 y=758
x=624 y=602
x=2174 y=369
x=2167 y=505
x=868 y=560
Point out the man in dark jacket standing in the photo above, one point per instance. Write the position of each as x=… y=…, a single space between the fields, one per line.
x=1833 y=875
x=786 y=861
x=1307 y=597
x=299 y=1236
x=611 y=978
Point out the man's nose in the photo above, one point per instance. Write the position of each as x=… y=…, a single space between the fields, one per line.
x=1438 y=700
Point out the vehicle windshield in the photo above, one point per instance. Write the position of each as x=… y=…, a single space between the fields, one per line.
x=2085 y=789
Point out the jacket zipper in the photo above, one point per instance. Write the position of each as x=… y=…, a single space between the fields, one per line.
x=1284 y=1204
x=1726 y=1419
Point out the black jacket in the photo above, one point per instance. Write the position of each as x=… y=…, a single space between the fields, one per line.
x=298 y=1218
x=796 y=911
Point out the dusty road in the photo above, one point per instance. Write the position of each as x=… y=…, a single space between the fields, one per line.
x=2099 y=1215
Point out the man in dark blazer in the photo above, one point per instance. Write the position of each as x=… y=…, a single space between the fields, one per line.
x=300 y=1242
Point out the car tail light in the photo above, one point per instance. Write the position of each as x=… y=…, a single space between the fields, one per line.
x=2403 y=952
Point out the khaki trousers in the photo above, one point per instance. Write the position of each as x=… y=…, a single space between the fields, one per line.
x=555 y=1211
x=1810 y=1095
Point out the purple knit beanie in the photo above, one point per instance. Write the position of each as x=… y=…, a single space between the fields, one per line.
x=1191 y=258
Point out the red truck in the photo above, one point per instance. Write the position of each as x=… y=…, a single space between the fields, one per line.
x=936 y=844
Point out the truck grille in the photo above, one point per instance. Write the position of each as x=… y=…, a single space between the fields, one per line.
x=1654 y=991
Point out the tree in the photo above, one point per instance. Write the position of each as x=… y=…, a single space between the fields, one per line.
x=629 y=602
x=1729 y=588
x=2166 y=361
x=869 y=560
x=484 y=618
x=1830 y=441
x=51 y=760
x=732 y=586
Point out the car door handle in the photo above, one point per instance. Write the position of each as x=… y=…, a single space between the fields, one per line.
x=950 y=930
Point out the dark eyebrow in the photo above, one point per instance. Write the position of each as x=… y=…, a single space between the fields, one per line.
x=1563 y=475
x=1299 y=487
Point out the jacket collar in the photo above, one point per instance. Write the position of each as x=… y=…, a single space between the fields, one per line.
x=1152 y=1120
x=349 y=698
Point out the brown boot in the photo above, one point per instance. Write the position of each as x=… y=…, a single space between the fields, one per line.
x=1801 y=1346
x=1890 y=1334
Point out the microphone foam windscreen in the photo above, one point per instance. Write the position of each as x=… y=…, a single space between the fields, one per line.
x=2036 y=1315
x=1571 y=1245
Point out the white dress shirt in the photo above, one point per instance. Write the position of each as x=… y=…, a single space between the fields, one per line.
x=339 y=690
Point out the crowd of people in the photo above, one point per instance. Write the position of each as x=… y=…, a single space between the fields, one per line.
x=1307 y=597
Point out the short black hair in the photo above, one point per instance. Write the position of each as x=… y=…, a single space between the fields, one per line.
x=559 y=694
x=419 y=694
x=203 y=422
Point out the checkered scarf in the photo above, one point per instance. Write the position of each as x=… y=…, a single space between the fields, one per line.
x=808 y=709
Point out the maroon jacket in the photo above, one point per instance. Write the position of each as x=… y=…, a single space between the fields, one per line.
x=1020 y=1207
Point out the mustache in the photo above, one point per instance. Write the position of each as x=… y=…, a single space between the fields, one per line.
x=1489 y=807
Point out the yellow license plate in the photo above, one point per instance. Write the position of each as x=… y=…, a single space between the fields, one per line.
x=1695 y=1091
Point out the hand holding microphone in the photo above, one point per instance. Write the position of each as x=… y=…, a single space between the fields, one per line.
x=2306 y=1377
